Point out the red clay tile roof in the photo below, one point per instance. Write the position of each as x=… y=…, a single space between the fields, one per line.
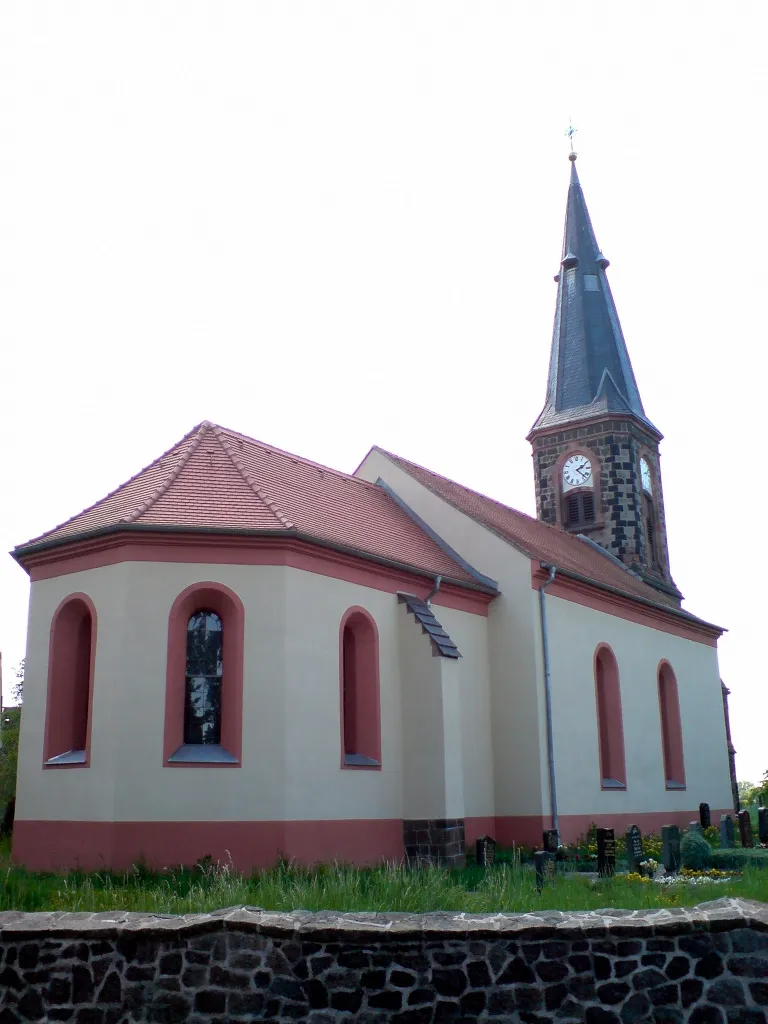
x=218 y=479
x=539 y=540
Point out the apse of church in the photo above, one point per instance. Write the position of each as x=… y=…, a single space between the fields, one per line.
x=595 y=452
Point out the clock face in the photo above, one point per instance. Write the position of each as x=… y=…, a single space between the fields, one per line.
x=577 y=471
x=645 y=476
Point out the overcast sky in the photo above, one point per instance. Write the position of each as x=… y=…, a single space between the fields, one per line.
x=335 y=224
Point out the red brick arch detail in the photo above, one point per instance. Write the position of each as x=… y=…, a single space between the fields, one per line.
x=228 y=606
x=610 y=722
x=71 y=664
x=360 y=717
x=671 y=725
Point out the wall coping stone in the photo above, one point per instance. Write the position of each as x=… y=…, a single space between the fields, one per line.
x=715 y=916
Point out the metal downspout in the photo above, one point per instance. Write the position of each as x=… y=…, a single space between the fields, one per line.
x=428 y=598
x=548 y=692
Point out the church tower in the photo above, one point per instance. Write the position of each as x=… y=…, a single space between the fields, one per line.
x=595 y=452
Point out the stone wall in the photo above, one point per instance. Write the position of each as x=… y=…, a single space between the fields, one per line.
x=708 y=965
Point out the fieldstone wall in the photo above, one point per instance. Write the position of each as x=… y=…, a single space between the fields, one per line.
x=708 y=965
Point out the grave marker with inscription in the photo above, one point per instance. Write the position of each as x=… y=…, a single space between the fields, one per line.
x=670 y=848
x=635 y=853
x=745 y=830
x=726 y=832
x=485 y=851
x=544 y=862
x=551 y=840
x=606 y=852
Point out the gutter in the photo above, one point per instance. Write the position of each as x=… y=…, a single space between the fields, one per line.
x=548 y=695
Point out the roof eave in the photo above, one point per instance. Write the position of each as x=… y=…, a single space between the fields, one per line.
x=666 y=609
x=22 y=552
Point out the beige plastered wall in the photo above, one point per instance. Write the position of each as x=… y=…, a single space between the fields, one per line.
x=291 y=702
x=574 y=634
x=516 y=695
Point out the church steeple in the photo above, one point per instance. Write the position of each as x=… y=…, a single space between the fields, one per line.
x=596 y=453
x=589 y=367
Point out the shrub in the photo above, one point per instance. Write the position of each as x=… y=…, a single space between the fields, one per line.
x=736 y=859
x=695 y=851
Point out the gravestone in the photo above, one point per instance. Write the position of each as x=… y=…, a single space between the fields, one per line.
x=745 y=830
x=726 y=831
x=485 y=851
x=762 y=824
x=635 y=853
x=704 y=815
x=606 y=852
x=670 y=848
x=544 y=862
x=551 y=840
x=695 y=826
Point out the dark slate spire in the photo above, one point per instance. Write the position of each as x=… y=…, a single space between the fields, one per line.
x=589 y=369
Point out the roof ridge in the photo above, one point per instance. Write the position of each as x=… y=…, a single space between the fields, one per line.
x=220 y=434
x=298 y=458
x=116 y=490
x=160 y=490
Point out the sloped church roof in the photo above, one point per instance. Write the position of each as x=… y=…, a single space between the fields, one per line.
x=589 y=368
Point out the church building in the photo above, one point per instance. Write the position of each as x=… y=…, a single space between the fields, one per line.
x=244 y=654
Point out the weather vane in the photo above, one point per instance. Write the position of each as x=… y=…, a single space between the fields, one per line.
x=570 y=131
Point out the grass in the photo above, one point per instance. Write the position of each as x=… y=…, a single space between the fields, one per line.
x=505 y=887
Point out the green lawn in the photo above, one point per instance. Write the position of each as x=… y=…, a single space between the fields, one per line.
x=505 y=887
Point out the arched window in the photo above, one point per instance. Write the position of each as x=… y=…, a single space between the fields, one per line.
x=202 y=699
x=204 y=682
x=610 y=726
x=671 y=728
x=70 y=682
x=359 y=670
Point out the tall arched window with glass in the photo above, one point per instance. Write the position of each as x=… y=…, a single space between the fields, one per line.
x=202 y=703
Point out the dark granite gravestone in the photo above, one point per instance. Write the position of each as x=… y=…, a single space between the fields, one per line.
x=635 y=854
x=704 y=815
x=606 y=852
x=762 y=824
x=551 y=840
x=485 y=851
x=670 y=848
x=726 y=831
x=745 y=830
x=544 y=862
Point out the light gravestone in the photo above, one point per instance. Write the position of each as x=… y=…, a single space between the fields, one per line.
x=695 y=826
x=606 y=852
x=726 y=832
x=745 y=830
x=670 y=848
x=635 y=854
x=705 y=818
x=762 y=825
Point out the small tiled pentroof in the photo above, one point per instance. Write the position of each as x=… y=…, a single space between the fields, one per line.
x=217 y=479
x=442 y=645
x=539 y=540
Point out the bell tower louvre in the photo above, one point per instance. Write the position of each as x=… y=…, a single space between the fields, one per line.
x=595 y=452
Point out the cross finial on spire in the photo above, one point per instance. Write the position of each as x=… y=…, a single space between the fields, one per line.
x=570 y=131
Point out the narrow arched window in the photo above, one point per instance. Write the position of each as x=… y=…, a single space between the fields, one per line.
x=610 y=725
x=70 y=672
x=671 y=728
x=650 y=529
x=202 y=701
x=360 y=719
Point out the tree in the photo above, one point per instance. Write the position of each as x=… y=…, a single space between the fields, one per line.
x=9 y=740
x=745 y=792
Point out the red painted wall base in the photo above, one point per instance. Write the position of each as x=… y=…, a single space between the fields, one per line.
x=95 y=845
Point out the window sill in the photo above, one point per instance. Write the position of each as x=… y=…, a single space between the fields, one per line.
x=202 y=753
x=613 y=784
x=670 y=784
x=360 y=761
x=72 y=757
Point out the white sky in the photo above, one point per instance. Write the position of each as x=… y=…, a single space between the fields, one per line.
x=334 y=224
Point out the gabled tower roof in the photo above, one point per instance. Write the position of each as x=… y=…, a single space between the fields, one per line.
x=589 y=369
